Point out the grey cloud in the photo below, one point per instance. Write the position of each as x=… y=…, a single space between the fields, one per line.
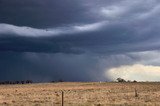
x=42 y=14
x=48 y=67
x=132 y=26
x=34 y=32
x=131 y=32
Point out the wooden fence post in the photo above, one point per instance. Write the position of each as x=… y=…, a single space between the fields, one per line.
x=136 y=93
x=62 y=98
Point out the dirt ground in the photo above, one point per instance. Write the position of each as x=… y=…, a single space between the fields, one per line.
x=81 y=94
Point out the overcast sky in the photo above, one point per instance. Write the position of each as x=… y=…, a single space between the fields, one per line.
x=79 y=40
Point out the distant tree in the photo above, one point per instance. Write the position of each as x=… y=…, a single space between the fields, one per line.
x=29 y=81
x=129 y=81
x=10 y=82
x=17 y=82
x=121 y=80
x=22 y=82
x=134 y=81
x=52 y=81
x=60 y=80
x=6 y=82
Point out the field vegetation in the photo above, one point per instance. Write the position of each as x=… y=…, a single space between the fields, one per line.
x=81 y=94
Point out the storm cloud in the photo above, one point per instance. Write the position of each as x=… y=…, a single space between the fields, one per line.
x=79 y=40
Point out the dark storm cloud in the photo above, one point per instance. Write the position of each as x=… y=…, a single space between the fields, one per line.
x=115 y=39
x=120 y=26
x=48 y=67
x=75 y=38
x=42 y=13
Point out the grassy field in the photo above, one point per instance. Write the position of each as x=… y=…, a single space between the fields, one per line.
x=81 y=94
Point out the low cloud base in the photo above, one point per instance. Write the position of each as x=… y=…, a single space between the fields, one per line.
x=137 y=72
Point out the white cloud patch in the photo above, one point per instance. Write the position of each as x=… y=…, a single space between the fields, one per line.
x=130 y=10
x=112 y=12
x=140 y=66
x=25 y=31
x=34 y=32
x=90 y=27
x=117 y=10
x=137 y=72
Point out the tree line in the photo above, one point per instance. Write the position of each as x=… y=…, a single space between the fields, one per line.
x=16 y=82
x=122 y=80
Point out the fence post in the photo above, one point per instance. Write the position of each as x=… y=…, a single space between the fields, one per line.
x=136 y=93
x=62 y=98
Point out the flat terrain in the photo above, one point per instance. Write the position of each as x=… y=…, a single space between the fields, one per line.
x=81 y=94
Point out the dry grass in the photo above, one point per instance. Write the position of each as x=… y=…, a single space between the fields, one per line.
x=81 y=94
